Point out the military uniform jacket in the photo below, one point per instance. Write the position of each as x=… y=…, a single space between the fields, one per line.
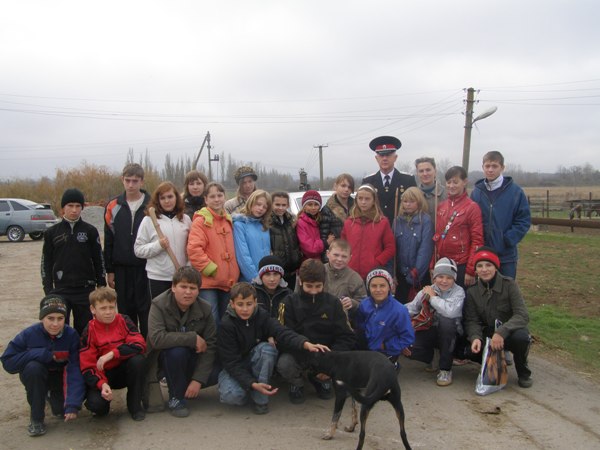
x=399 y=181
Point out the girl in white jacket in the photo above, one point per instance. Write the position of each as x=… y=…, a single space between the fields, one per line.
x=175 y=226
x=446 y=299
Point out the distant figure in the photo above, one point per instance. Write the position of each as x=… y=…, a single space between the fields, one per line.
x=388 y=180
x=576 y=210
x=245 y=178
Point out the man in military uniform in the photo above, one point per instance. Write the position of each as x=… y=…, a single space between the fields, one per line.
x=388 y=180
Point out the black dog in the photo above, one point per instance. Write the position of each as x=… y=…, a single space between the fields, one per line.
x=356 y=371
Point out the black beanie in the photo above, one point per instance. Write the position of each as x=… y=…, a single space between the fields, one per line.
x=72 y=196
x=52 y=304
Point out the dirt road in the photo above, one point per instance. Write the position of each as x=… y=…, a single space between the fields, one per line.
x=561 y=410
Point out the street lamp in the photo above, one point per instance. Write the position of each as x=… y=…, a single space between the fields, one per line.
x=469 y=121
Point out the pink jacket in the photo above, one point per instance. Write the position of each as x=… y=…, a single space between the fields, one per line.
x=309 y=237
x=373 y=244
x=211 y=251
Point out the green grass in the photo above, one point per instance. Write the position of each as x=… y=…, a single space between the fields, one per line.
x=558 y=329
x=558 y=276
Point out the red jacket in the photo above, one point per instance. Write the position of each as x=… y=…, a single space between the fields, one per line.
x=373 y=244
x=309 y=237
x=465 y=232
x=211 y=250
x=120 y=336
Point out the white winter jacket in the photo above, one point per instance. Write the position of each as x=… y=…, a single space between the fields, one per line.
x=158 y=264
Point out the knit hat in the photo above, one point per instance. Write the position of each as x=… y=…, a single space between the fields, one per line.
x=445 y=266
x=244 y=171
x=52 y=304
x=269 y=264
x=311 y=196
x=72 y=196
x=380 y=273
x=486 y=254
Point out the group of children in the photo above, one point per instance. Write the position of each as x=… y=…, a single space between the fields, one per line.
x=249 y=322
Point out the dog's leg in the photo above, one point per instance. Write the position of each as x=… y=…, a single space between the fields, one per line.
x=364 y=415
x=340 y=399
x=352 y=426
x=396 y=402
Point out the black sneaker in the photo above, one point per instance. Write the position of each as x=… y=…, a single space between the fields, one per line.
x=323 y=388
x=296 y=394
x=36 y=428
x=138 y=416
x=177 y=408
x=525 y=382
x=261 y=409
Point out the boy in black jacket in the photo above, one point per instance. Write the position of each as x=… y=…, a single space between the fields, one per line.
x=248 y=359
x=72 y=264
x=271 y=287
x=321 y=318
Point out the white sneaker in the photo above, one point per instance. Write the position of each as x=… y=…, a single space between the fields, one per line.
x=444 y=378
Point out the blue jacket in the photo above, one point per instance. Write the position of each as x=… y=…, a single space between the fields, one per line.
x=35 y=344
x=506 y=217
x=387 y=327
x=251 y=243
x=414 y=245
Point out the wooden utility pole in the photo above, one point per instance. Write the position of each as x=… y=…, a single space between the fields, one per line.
x=468 y=128
x=320 y=147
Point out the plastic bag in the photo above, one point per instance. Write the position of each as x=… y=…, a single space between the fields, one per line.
x=493 y=375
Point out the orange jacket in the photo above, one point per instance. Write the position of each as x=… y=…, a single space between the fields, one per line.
x=210 y=249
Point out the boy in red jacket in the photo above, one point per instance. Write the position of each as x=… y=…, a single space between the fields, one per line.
x=111 y=356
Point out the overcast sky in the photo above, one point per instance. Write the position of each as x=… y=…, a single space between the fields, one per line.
x=271 y=79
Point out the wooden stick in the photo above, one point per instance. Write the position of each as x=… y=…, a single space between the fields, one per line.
x=152 y=214
x=395 y=217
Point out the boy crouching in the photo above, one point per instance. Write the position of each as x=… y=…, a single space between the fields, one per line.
x=111 y=356
x=41 y=354
x=248 y=358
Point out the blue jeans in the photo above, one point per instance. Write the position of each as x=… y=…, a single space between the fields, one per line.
x=261 y=362
x=509 y=269
x=218 y=301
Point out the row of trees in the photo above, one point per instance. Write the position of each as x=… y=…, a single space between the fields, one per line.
x=99 y=183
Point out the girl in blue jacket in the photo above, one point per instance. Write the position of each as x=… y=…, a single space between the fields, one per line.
x=251 y=234
x=413 y=231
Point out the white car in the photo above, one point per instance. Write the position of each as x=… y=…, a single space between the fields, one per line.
x=19 y=217
x=296 y=200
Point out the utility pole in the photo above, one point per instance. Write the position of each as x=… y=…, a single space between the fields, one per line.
x=210 y=158
x=320 y=147
x=468 y=128
x=206 y=142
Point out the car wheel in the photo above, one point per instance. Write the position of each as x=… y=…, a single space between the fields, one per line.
x=15 y=233
x=36 y=235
